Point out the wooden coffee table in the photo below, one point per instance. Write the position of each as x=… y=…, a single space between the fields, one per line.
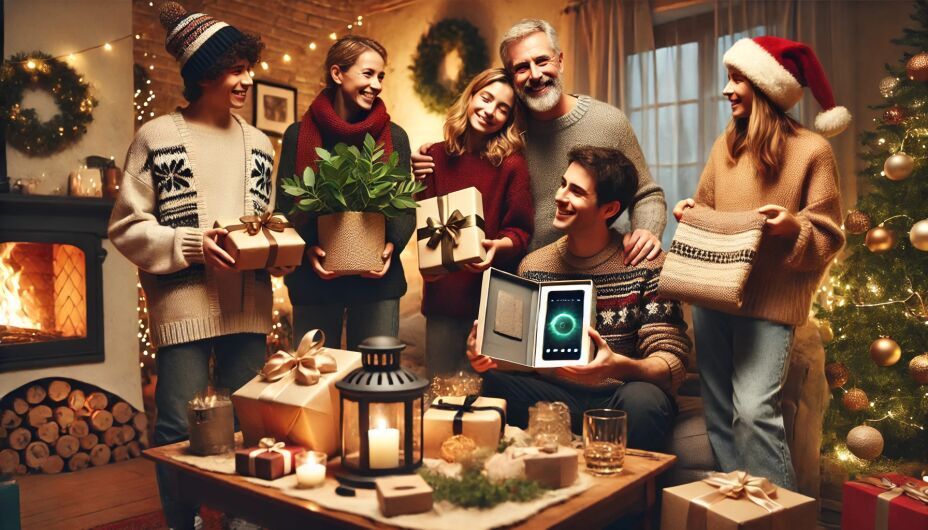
x=632 y=492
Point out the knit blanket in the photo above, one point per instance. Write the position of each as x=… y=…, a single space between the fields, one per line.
x=711 y=257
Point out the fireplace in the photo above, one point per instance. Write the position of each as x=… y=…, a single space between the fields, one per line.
x=51 y=280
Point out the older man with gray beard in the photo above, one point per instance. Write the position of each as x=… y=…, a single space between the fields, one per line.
x=558 y=122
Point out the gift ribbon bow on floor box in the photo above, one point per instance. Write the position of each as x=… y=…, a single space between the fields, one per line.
x=294 y=398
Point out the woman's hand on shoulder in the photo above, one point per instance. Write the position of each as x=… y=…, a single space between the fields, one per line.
x=422 y=163
x=681 y=206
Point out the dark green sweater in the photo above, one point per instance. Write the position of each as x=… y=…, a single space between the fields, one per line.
x=305 y=286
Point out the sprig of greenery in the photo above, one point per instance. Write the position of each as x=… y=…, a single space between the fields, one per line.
x=354 y=180
x=474 y=490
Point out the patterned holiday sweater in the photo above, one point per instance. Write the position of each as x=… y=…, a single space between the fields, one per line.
x=630 y=316
x=166 y=200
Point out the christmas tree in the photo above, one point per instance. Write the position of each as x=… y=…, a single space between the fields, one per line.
x=873 y=309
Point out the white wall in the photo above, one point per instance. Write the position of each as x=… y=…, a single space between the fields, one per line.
x=57 y=27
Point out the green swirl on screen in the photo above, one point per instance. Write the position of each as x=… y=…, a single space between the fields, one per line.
x=563 y=324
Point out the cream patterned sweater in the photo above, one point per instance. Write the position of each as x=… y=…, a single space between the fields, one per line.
x=786 y=272
x=159 y=218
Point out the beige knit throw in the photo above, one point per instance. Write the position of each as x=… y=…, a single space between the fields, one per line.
x=711 y=257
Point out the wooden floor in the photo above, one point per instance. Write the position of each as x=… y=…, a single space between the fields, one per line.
x=88 y=498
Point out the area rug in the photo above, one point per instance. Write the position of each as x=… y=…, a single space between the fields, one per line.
x=212 y=520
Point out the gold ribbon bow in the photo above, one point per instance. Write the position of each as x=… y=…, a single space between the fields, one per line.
x=450 y=229
x=269 y=220
x=738 y=483
x=270 y=445
x=306 y=364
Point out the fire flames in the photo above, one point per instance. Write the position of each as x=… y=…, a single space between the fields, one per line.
x=12 y=311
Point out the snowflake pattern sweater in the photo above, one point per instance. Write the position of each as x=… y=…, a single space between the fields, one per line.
x=158 y=222
x=629 y=314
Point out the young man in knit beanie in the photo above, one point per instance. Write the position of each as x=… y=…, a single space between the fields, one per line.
x=558 y=121
x=641 y=344
x=183 y=171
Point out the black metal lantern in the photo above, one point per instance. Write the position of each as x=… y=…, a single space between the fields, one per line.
x=380 y=419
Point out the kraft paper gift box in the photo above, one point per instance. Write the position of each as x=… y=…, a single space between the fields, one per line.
x=403 y=495
x=702 y=506
x=450 y=231
x=884 y=502
x=553 y=470
x=261 y=242
x=518 y=323
x=304 y=415
x=481 y=419
x=269 y=460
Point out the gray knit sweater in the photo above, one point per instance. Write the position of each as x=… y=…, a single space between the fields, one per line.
x=591 y=122
x=158 y=222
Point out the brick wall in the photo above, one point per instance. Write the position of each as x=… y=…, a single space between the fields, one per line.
x=284 y=26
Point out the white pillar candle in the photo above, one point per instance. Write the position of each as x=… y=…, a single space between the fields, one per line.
x=310 y=475
x=383 y=445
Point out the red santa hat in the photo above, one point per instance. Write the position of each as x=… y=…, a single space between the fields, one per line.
x=780 y=68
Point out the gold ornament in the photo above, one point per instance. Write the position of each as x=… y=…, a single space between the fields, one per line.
x=825 y=331
x=837 y=375
x=918 y=235
x=880 y=239
x=894 y=115
x=884 y=351
x=918 y=369
x=898 y=166
x=865 y=442
x=457 y=448
x=888 y=86
x=857 y=222
x=917 y=67
x=855 y=400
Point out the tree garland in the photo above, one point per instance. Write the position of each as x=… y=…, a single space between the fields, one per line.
x=41 y=71
x=443 y=38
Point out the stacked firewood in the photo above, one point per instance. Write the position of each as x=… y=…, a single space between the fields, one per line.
x=56 y=425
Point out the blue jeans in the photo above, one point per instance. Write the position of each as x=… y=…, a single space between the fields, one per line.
x=446 y=345
x=650 y=410
x=743 y=363
x=183 y=370
x=364 y=320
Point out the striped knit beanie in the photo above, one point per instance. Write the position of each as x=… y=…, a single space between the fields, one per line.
x=195 y=40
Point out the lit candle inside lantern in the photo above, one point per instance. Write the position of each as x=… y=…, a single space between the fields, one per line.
x=310 y=469
x=383 y=446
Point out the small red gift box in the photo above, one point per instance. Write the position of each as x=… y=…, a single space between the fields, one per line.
x=866 y=506
x=270 y=460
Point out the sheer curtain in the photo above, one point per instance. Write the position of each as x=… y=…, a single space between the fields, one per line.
x=665 y=71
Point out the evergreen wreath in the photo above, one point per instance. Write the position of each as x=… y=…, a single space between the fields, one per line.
x=41 y=71
x=443 y=38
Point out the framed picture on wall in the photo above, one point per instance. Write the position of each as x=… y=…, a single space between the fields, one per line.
x=274 y=107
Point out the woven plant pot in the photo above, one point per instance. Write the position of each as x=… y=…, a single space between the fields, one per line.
x=352 y=241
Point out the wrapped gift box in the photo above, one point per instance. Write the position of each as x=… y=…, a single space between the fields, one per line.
x=261 y=242
x=304 y=415
x=268 y=460
x=449 y=231
x=553 y=470
x=871 y=507
x=700 y=506
x=403 y=494
x=481 y=419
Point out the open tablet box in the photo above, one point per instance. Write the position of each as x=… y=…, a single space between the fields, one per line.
x=525 y=324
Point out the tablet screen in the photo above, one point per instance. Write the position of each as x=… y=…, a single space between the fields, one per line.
x=563 y=332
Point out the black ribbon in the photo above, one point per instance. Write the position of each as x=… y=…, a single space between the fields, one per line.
x=445 y=231
x=468 y=406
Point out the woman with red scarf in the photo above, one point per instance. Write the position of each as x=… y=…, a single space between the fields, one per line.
x=345 y=111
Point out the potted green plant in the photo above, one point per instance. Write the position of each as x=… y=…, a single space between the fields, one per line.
x=353 y=192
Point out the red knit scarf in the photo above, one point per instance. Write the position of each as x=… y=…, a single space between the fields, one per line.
x=321 y=126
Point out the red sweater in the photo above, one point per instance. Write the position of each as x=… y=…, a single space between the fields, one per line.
x=507 y=212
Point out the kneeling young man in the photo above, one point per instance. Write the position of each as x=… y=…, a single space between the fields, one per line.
x=640 y=340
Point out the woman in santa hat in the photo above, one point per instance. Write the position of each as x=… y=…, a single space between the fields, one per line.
x=767 y=162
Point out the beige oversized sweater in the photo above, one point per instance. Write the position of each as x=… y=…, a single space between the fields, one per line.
x=166 y=200
x=786 y=271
